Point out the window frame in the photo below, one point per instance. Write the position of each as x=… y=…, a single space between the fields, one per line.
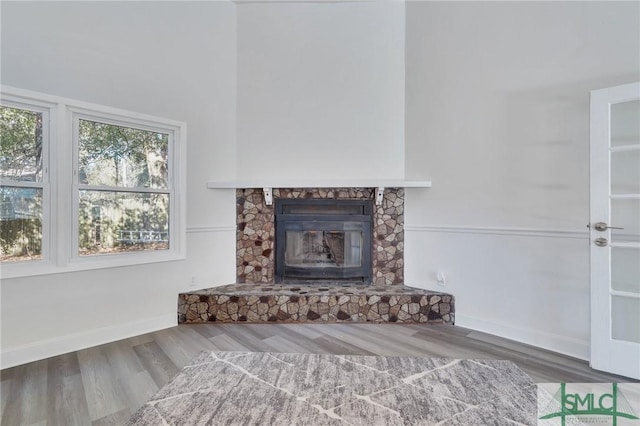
x=63 y=186
x=48 y=113
x=76 y=116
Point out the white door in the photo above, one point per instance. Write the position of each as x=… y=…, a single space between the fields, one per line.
x=615 y=230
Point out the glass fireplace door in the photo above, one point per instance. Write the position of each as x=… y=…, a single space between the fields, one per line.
x=324 y=249
x=321 y=241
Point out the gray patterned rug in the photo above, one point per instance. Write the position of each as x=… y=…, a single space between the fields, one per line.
x=255 y=388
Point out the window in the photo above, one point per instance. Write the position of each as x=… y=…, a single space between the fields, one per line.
x=24 y=141
x=124 y=190
x=111 y=195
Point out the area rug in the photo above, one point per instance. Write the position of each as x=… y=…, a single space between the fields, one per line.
x=257 y=388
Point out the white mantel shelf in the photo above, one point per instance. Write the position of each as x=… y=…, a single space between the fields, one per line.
x=320 y=183
x=267 y=185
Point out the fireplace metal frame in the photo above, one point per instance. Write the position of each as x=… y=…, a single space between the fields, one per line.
x=358 y=212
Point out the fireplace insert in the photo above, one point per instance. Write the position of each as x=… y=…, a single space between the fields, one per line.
x=323 y=240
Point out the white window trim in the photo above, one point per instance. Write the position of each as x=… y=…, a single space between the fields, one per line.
x=61 y=218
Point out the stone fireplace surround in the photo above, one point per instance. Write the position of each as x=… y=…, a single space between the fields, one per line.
x=255 y=251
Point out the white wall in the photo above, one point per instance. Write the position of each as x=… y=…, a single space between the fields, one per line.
x=497 y=115
x=321 y=90
x=174 y=60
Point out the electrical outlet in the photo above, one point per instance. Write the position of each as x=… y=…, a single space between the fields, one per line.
x=441 y=279
x=193 y=280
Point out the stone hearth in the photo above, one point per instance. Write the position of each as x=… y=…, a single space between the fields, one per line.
x=262 y=303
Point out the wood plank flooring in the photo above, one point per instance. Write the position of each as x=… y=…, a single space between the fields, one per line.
x=104 y=385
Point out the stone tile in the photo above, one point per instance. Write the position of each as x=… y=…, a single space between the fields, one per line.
x=335 y=303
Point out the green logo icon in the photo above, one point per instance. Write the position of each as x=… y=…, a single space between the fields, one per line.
x=611 y=404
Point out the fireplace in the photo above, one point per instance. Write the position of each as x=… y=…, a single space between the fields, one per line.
x=256 y=234
x=323 y=240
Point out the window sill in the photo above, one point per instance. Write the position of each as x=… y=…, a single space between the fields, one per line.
x=42 y=267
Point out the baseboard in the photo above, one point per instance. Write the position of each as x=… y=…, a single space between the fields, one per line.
x=553 y=342
x=77 y=341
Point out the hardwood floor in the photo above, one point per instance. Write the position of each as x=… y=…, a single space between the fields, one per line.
x=104 y=385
